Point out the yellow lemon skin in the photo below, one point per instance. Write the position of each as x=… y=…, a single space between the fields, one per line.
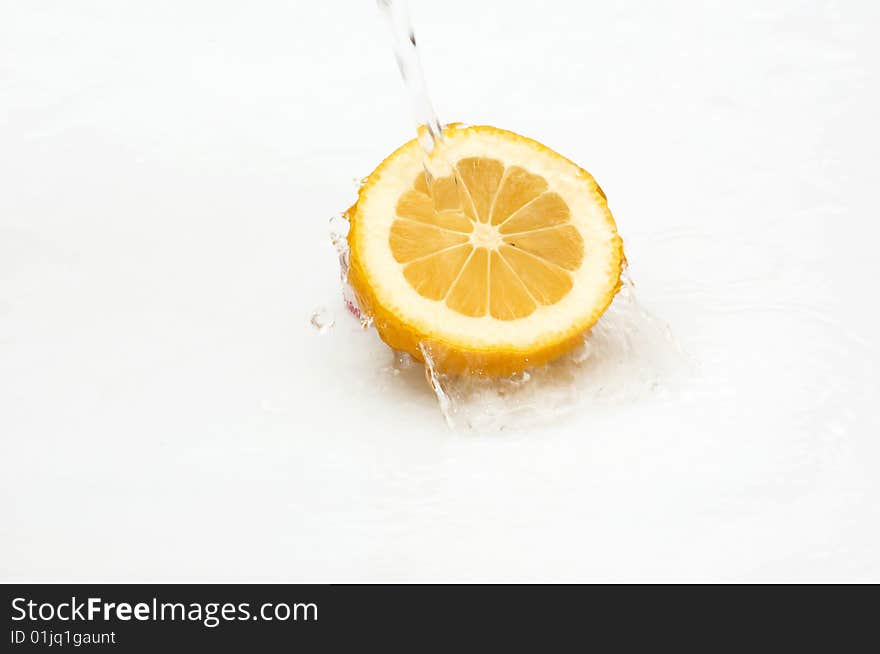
x=457 y=353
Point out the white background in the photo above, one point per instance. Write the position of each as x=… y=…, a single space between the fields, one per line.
x=167 y=170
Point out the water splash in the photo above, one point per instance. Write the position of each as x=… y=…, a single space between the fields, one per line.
x=323 y=320
x=401 y=362
x=436 y=380
x=339 y=226
x=627 y=355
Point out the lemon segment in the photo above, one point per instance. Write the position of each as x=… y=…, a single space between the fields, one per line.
x=497 y=267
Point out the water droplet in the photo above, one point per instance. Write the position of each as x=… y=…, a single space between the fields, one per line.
x=323 y=320
x=401 y=361
x=519 y=378
x=339 y=227
x=581 y=353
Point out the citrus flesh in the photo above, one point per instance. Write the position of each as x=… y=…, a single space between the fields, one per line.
x=500 y=265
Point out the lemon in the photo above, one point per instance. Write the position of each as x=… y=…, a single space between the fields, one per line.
x=501 y=265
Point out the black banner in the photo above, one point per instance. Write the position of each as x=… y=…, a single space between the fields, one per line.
x=148 y=618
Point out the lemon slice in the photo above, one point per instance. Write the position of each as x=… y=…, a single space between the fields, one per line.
x=499 y=266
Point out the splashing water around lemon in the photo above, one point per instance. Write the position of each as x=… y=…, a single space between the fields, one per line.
x=486 y=256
